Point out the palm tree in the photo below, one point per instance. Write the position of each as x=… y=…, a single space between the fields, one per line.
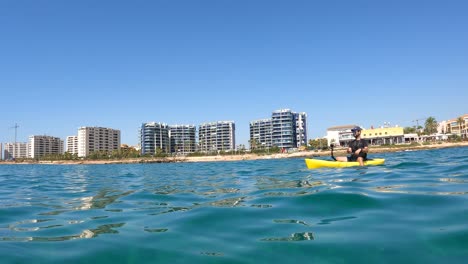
x=430 y=125
x=253 y=143
x=460 y=122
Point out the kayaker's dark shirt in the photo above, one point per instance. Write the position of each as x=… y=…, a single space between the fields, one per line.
x=355 y=145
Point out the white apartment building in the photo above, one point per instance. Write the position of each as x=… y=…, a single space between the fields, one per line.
x=16 y=150
x=285 y=129
x=182 y=139
x=72 y=145
x=44 y=145
x=261 y=133
x=154 y=137
x=301 y=129
x=91 y=139
x=217 y=136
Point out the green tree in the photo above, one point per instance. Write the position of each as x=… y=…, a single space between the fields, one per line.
x=321 y=143
x=253 y=143
x=460 y=121
x=409 y=130
x=430 y=126
x=160 y=153
x=313 y=144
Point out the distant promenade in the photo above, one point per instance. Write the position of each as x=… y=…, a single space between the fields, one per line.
x=299 y=154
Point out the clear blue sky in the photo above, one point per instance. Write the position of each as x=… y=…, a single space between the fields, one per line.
x=66 y=64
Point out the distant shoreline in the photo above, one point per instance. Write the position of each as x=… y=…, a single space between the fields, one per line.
x=299 y=154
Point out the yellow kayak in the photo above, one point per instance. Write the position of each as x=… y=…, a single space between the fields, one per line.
x=316 y=163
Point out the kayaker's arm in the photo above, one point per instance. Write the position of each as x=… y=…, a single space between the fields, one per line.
x=361 y=150
x=365 y=150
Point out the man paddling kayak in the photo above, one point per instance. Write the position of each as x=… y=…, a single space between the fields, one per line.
x=357 y=148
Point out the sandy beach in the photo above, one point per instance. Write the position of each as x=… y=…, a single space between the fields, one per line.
x=304 y=154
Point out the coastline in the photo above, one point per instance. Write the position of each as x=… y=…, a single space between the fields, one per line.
x=299 y=154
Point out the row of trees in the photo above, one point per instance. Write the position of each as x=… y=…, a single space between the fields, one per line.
x=123 y=153
x=430 y=127
x=320 y=143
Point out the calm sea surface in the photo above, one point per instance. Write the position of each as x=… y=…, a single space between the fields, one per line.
x=414 y=209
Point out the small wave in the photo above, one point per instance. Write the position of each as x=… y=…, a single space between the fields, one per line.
x=155 y=230
x=294 y=237
x=331 y=220
x=290 y=221
x=410 y=164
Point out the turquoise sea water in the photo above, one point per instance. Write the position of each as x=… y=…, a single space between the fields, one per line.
x=414 y=209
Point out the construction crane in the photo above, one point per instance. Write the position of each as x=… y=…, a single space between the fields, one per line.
x=16 y=130
x=16 y=133
x=417 y=121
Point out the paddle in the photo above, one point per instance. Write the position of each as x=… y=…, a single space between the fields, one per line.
x=331 y=147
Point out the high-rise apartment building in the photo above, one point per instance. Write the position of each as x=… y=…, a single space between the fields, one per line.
x=91 y=139
x=72 y=145
x=261 y=133
x=154 y=137
x=217 y=136
x=44 y=145
x=285 y=129
x=182 y=139
x=15 y=150
x=301 y=129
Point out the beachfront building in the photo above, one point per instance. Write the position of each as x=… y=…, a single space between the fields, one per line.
x=182 y=139
x=217 y=136
x=301 y=129
x=92 y=139
x=285 y=129
x=453 y=126
x=442 y=127
x=72 y=145
x=384 y=135
x=261 y=134
x=154 y=138
x=15 y=150
x=342 y=135
x=40 y=146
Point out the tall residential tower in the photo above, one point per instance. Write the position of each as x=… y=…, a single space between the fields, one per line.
x=44 y=145
x=91 y=139
x=182 y=139
x=154 y=138
x=15 y=150
x=285 y=129
x=217 y=136
x=72 y=145
x=261 y=134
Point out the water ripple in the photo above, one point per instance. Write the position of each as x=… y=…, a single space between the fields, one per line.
x=224 y=212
